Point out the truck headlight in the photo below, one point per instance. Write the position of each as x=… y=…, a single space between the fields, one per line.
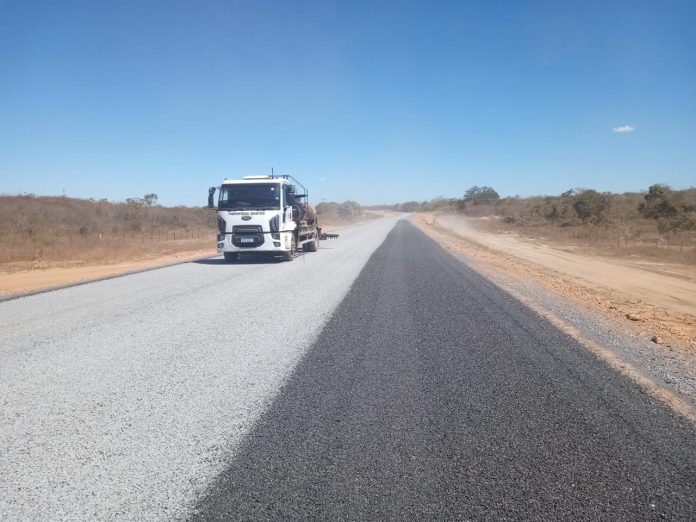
x=274 y=225
x=222 y=225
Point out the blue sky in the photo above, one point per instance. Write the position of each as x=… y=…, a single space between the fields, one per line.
x=373 y=101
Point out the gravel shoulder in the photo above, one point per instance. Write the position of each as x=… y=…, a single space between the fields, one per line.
x=123 y=398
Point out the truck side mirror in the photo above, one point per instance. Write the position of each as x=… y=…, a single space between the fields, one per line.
x=211 y=197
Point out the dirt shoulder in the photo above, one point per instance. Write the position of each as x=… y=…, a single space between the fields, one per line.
x=26 y=281
x=658 y=300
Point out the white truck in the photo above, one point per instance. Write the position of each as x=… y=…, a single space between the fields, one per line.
x=264 y=215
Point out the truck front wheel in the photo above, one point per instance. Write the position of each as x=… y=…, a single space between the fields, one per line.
x=290 y=255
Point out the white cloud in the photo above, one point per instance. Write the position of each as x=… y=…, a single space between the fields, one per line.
x=624 y=128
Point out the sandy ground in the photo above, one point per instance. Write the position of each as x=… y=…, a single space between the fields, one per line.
x=16 y=283
x=659 y=298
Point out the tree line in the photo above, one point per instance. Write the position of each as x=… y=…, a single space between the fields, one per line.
x=348 y=210
x=673 y=211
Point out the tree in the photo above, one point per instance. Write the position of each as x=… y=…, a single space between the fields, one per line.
x=150 y=200
x=476 y=195
x=658 y=203
x=327 y=208
x=410 y=206
x=553 y=209
x=592 y=206
x=349 y=210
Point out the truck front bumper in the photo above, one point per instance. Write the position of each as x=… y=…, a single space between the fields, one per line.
x=247 y=243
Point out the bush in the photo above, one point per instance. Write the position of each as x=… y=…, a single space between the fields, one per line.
x=658 y=203
x=592 y=207
x=348 y=210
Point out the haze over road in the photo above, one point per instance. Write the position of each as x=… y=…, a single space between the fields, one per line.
x=423 y=391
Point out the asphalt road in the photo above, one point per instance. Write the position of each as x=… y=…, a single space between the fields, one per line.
x=379 y=378
x=124 y=399
x=432 y=394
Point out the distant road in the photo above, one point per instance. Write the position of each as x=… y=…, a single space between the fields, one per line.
x=421 y=391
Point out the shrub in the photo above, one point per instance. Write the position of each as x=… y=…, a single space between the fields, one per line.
x=592 y=206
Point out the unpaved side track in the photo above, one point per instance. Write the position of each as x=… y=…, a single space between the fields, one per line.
x=670 y=287
x=432 y=394
x=122 y=399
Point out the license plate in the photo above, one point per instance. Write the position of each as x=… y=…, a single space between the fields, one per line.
x=246 y=239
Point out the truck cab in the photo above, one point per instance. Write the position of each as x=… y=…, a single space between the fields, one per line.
x=263 y=215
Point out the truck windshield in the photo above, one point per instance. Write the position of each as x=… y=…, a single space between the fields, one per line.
x=250 y=196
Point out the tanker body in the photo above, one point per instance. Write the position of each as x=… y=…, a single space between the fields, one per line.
x=264 y=215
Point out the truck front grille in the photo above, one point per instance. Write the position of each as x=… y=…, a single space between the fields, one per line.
x=247 y=236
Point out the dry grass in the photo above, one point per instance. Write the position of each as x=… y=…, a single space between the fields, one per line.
x=641 y=240
x=43 y=232
x=623 y=232
x=40 y=232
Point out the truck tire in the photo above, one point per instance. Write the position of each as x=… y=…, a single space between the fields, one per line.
x=289 y=256
x=231 y=257
x=312 y=246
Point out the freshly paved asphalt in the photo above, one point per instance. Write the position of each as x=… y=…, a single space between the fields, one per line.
x=431 y=394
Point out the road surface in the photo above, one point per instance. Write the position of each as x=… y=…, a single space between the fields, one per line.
x=379 y=378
